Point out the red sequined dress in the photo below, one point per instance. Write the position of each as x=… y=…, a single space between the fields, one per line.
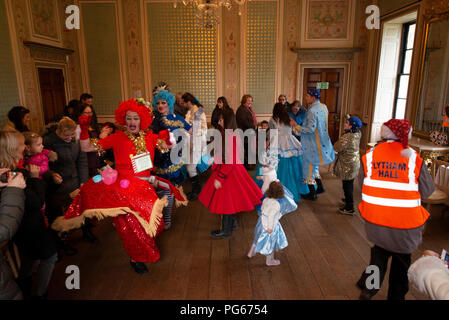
x=137 y=210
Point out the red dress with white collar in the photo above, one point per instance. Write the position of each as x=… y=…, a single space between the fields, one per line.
x=238 y=192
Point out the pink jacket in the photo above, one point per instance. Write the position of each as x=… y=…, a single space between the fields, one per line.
x=41 y=160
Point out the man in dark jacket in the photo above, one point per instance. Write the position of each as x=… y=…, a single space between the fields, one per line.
x=12 y=206
x=246 y=119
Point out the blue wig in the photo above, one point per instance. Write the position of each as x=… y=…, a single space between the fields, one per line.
x=167 y=96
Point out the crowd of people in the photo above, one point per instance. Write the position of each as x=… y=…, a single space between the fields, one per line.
x=79 y=171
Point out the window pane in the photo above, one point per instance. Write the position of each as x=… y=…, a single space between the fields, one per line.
x=403 y=87
x=411 y=36
x=407 y=61
x=400 y=109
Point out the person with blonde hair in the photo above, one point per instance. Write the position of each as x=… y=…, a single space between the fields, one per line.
x=33 y=238
x=72 y=167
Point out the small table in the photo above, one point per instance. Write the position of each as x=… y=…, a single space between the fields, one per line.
x=428 y=150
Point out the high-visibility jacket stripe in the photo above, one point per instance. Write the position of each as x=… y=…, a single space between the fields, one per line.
x=390 y=185
x=391 y=202
x=391 y=194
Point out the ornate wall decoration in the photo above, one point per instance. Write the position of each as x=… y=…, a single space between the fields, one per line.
x=360 y=60
x=433 y=8
x=70 y=41
x=231 y=54
x=44 y=21
x=29 y=78
x=291 y=40
x=327 y=23
x=134 y=47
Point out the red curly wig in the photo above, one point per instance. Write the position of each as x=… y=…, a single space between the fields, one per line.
x=145 y=114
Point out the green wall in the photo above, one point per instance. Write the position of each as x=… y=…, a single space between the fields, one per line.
x=100 y=32
x=9 y=93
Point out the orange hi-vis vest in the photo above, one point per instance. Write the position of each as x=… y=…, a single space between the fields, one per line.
x=445 y=122
x=390 y=195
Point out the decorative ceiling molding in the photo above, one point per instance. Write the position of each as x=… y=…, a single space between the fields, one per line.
x=325 y=54
x=436 y=8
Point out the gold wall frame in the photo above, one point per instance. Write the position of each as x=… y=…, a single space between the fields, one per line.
x=431 y=15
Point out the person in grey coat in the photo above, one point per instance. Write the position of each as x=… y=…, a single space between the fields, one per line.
x=12 y=205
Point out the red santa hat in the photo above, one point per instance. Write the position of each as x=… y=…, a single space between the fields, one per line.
x=398 y=129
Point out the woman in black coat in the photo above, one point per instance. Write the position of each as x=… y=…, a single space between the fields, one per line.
x=34 y=238
x=222 y=104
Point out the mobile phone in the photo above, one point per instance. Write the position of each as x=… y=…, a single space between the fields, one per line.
x=445 y=257
x=7 y=175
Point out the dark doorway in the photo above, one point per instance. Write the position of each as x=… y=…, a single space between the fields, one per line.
x=51 y=82
x=331 y=97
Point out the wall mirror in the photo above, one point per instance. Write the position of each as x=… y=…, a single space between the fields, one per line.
x=434 y=80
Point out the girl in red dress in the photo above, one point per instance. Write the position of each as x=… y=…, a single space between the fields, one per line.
x=131 y=199
x=229 y=189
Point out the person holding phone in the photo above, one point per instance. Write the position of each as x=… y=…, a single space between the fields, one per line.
x=12 y=205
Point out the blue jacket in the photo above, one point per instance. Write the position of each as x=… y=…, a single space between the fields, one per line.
x=299 y=117
x=316 y=144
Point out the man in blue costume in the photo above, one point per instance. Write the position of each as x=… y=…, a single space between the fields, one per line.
x=316 y=144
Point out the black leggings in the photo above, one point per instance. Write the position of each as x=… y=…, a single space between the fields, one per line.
x=348 y=188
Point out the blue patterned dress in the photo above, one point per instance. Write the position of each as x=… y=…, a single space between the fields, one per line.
x=289 y=170
x=164 y=167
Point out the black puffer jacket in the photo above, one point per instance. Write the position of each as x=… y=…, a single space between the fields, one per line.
x=34 y=238
x=12 y=205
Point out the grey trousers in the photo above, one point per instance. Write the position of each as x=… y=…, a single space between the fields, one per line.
x=44 y=273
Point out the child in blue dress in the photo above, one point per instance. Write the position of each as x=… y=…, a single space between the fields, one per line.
x=269 y=236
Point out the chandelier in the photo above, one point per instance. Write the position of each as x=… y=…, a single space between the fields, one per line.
x=207 y=10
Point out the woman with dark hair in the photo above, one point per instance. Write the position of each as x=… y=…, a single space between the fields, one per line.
x=93 y=160
x=289 y=152
x=195 y=117
x=71 y=110
x=229 y=189
x=222 y=103
x=19 y=119
x=246 y=119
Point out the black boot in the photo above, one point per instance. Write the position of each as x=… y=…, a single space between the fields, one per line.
x=312 y=193
x=139 y=267
x=87 y=232
x=235 y=225
x=226 y=228
x=319 y=184
x=25 y=285
x=196 y=188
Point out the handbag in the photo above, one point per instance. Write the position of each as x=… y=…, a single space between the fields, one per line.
x=203 y=165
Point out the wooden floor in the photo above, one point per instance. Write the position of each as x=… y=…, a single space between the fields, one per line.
x=326 y=254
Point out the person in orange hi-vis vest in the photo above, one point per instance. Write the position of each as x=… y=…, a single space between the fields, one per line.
x=393 y=179
x=446 y=117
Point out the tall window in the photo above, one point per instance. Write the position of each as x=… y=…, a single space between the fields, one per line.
x=405 y=61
